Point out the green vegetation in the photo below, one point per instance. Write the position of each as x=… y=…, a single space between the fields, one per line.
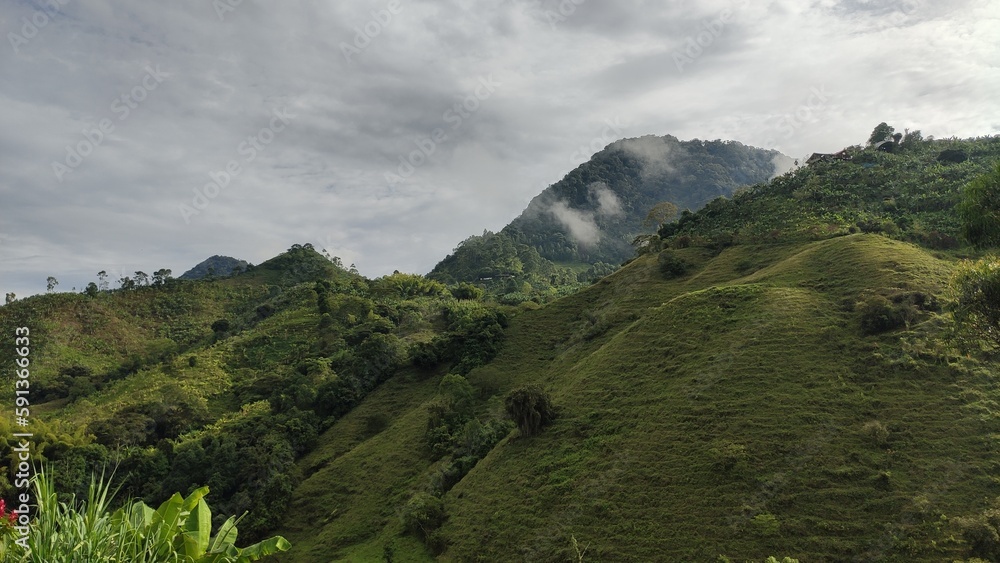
x=581 y=227
x=805 y=369
x=179 y=530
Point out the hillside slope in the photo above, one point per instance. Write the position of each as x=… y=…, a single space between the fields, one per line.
x=727 y=411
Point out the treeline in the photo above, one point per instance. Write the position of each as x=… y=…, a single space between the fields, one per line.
x=909 y=191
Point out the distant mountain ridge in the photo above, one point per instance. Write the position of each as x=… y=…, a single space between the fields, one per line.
x=217 y=266
x=594 y=212
x=592 y=215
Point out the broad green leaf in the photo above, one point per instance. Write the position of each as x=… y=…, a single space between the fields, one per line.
x=267 y=547
x=197 y=530
x=226 y=536
x=193 y=498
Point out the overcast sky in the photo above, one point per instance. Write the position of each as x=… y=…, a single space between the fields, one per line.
x=388 y=131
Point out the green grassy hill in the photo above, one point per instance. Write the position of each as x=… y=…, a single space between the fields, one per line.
x=719 y=413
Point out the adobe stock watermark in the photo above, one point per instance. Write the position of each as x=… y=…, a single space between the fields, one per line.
x=611 y=133
x=248 y=149
x=708 y=31
x=562 y=11
x=806 y=113
x=902 y=11
x=32 y=25
x=94 y=137
x=456 y=115
x=365 y=34
x=223 y=7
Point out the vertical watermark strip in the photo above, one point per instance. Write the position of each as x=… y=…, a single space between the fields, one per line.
x=22 y=471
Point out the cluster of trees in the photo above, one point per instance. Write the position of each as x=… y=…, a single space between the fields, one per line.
x=910 y=194
x=978 y=283
x=456 y=433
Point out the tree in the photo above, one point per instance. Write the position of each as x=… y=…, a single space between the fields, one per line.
x=661 y=213
x=423 y=514
x=978 y=288
x=102 y=278
x=882 y=132
x=91 y=290
x=912 y=140
x=530 y=408
x=221 y=325
x=161 y=276
x=126 y=283
x=141 y=278
x=467 y=291
x=50 y=284
x=980 y=209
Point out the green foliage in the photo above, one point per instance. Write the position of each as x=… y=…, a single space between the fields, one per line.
x=879 y=315
x=876 y=432
x=466 y=290
x=982 y=533
x=699 y=171
x=408 y=286
x=530 y=408
x=221 y=326
x=980 y=209
x=978 y=301
x=765 y=524
x=671 y=265
x=881 y=132
x=179 y=530
x=660 y=213
x=909 y=195
x=422 y=515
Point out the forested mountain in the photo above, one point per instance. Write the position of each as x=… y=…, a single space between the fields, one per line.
x=807 y=369
x=593 y=214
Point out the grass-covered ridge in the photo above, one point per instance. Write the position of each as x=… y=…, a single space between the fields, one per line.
x=721 y=412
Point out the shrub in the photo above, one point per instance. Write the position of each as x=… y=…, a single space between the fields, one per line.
x=877 y=432
x=982 y=533
x=467 y=290
x=765 y=524
x=422 y=515
x=671 y=265
x=221 y=325
x=530 y=408
x=978 y=288
x=879 y=315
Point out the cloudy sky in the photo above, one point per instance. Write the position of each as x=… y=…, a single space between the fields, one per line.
x=147 y=135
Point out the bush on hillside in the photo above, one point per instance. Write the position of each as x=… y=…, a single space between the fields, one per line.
x=879 y=315
x=530 y=408
x=671 y=265
x=978 y=288
x=422 y=515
